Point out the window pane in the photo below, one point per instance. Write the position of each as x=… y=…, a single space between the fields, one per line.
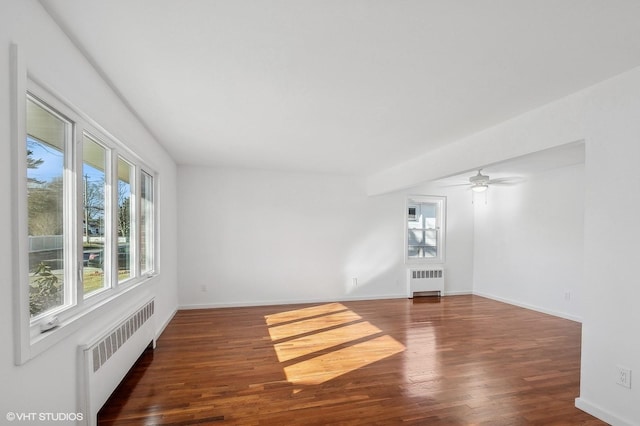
x=422 y=228
x=146 y=223
x=125 y=173
x=46 y=136
x=94 y=210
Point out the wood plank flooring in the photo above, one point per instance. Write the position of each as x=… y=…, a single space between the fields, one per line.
x=455 y=360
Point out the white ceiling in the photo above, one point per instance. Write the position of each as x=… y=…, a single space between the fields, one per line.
x=342 y=86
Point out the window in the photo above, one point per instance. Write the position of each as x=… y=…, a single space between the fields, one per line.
x=125 y=222
x=425 y=230
x=88 y=214
x=47 y=147
x=95 y=215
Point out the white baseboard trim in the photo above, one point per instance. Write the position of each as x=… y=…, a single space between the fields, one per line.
x=601 y=413
x=457 y=293
x=532 y=307
x=244 y=304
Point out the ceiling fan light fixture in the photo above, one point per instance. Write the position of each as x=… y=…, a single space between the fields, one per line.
x=481 y=187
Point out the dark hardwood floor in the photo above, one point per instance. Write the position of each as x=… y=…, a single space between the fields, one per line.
x=455 y=360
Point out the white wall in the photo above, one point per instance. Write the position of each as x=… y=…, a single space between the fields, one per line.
x=48 y=383
x=605 y=116
x=611 y=320
x=256 y=237
x=528 y=245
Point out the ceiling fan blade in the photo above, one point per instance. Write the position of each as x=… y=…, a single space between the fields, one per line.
x=507 y=181
x=449 y=185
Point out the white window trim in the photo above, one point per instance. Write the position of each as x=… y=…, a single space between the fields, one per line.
x=28 y=341
x=22 y=339
x=442 y=212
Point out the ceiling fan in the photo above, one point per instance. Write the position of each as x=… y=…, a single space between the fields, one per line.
x=480 y=182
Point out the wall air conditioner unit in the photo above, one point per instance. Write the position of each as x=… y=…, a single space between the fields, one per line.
x=426 y=279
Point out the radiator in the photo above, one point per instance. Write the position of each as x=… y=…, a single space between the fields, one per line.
x=426 y=279
x=107 y=359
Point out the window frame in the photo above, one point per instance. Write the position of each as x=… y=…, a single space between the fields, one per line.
x=108 y=273
x=441 y=221
x=29 y=341
x=69 y=188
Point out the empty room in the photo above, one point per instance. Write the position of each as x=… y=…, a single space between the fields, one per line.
x=320 y=212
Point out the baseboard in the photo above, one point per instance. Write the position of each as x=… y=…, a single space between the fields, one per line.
x=457 y=293
x=599 y=412
x=532 y=307
x=244 y=304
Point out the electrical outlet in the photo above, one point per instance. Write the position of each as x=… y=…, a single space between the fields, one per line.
x=355 y=282
x=203 y=288
x=623 y=377
x=567 y=296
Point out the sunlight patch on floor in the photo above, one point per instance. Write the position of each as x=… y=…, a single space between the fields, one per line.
x=300 y=314
x=328 y=341
x=312 y=325
x=323 y=340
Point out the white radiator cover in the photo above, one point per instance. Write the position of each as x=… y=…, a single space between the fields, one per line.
x=106 y=360
x=428 y=278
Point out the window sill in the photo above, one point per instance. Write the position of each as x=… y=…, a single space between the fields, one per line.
x=434 y=261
